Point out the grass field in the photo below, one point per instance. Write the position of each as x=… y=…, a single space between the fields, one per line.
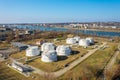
x=9 y=74
x=4 y=45
x=18 y=55
x=89 y=67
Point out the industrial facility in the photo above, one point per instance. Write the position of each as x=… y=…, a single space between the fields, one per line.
x=63 y=50
x=84 y=43
x=47 y=46
x=32 y=51
x=70 y=41
x=77 y=38
x=90 y=40
x=49 y=56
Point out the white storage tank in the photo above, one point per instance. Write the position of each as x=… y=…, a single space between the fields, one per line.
x=84 y=42
x=47 y=46
x=32 y=51
x=63 y=50
x=77 y=38
x=70 y=41
x=49 y=56
x=90 y=40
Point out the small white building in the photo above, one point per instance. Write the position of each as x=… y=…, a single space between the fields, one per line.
x=113 y=27
x=84 y=42
x=32 y=51
x=47 y=46
x=63 y=50
x=90 y=40
x=29 y=32
x=49 y=56
x=40 y=42
x=17 y=67
x=70 y=41
x=77 y=38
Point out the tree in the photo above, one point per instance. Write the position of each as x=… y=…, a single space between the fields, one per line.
x=10 y=37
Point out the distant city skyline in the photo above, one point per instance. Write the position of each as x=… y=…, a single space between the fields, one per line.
x=55 y=11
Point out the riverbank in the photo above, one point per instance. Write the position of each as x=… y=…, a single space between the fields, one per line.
x=62 y=29
x=105 y=29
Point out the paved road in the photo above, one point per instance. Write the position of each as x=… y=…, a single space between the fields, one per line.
x=72 y=65
x=8 y=51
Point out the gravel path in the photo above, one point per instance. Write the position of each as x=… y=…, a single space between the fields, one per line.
x=112 y=61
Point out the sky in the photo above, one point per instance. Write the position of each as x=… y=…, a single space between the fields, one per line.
x=53 y=11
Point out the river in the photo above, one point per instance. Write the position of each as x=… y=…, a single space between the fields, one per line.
x=90 y=32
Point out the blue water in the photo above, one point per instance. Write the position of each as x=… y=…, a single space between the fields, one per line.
x=90 y=32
